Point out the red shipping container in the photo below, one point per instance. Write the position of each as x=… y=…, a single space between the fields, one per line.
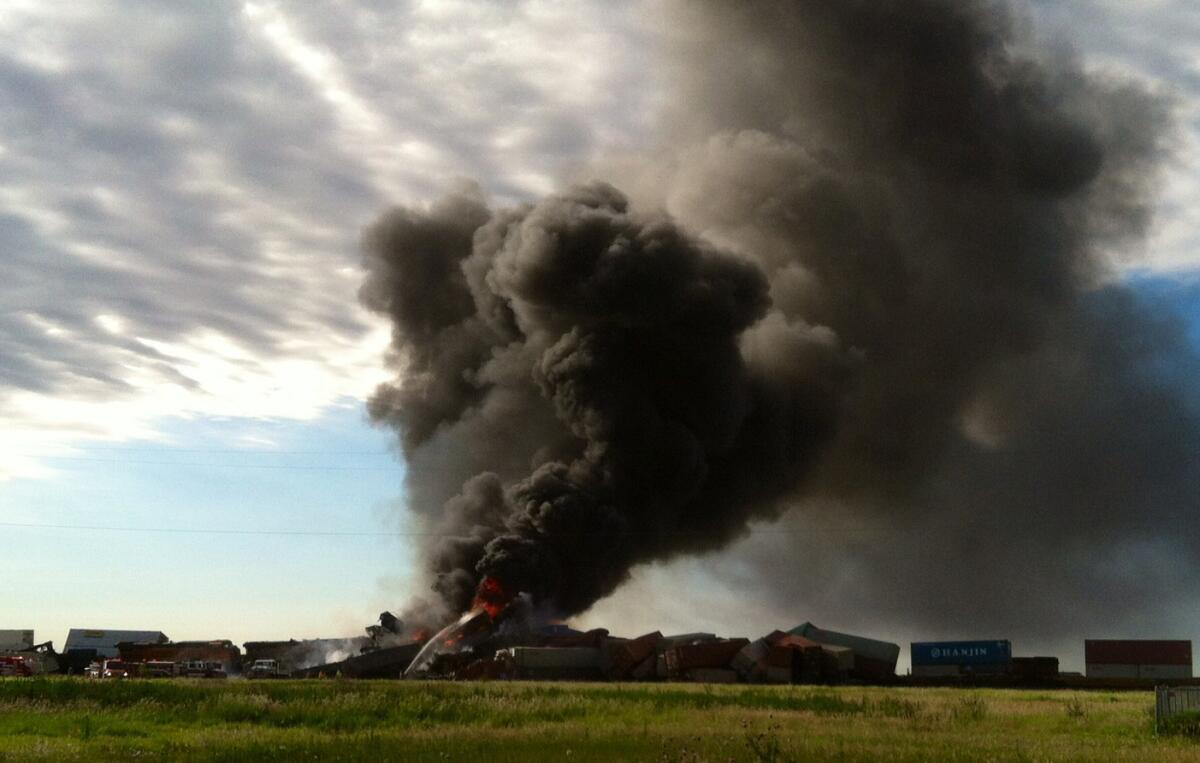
x=1137 y=652
x=799 y=642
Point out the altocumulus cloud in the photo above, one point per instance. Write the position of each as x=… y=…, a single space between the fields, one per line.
x=182 y=188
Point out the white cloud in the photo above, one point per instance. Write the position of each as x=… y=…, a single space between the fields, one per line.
x=182 y=186
x=182 y=189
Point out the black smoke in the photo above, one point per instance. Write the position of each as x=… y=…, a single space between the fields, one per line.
x=886 y=295
x=645 y=430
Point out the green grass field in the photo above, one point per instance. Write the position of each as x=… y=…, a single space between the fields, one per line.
x=76 y=719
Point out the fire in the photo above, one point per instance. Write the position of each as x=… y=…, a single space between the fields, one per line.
x=492 y=597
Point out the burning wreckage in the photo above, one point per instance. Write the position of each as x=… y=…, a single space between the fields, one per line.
x=507 y=637
x=500 y=638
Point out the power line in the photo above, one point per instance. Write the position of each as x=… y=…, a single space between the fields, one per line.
x=227 y=464
x=240 y=451
x=344 y=533
x=211 y=531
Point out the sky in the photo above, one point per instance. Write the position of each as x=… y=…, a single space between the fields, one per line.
x=183 y=359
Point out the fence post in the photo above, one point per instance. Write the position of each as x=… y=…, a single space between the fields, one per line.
x=1158 y=707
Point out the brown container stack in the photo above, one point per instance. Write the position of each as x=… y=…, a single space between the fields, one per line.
x=714 y=654
x=636 y=656
x=1137 y=659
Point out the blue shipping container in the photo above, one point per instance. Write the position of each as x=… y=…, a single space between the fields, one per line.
x=961 y=653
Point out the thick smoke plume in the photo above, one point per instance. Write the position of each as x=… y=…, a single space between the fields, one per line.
x=882 y=294
x=606 y=349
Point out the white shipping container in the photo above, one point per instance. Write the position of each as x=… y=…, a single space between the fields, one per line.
x=1098 y=670
x=751 y=662
x=1095 y=670
x=1164 y=671
x=15 y=640
x=105 y=641
x=883 y=651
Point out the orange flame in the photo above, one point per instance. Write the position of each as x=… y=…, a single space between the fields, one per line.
x=492 y=597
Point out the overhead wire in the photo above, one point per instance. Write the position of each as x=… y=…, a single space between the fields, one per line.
x=321 y=533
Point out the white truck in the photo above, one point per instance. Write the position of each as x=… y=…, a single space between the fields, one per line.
x=265 y=669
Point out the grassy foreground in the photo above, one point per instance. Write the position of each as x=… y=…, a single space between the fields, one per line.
x=75 y=719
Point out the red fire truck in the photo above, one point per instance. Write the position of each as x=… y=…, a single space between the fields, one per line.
x=14 y=665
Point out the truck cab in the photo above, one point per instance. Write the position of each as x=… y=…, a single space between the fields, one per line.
x=265 y=669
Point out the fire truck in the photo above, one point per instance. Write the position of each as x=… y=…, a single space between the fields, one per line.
x=14 y=665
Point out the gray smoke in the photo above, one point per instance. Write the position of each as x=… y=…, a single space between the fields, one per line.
x=884 y=296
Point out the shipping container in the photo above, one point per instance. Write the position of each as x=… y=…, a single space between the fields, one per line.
x=751 y=661
x=646 y=669
x=685 y=638
x=551 y=663
x=1103 y=670
x=882 y=651
x=552 y=657
x=1035 y=668
x=1148 y=672
x=839 y=659
x=1137 y=652
x=16 y=640
x=994 y=654
x=623 y=657
x=76 y=661
x=782 y=658
x=789 y=663
x=712 y=654
x=593 y=639
x=1164 y=671
x=779 y=638
x=874 y=660
x=105 y=641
